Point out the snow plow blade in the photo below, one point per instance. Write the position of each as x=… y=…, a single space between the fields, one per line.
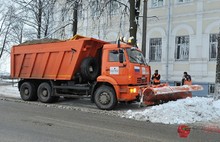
x=156 y=94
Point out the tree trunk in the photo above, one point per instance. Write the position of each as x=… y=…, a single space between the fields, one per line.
x=75 y=18
x=217 y=77
x=21 y=34
x=39 y=20
x=134 y=16
x=47 y=21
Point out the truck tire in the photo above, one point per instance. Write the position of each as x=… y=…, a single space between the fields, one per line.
x=28 y=91
x=44 y=93
x=89 y=69
x=105 y=98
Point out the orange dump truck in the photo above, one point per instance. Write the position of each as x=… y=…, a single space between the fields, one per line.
x=109 y=73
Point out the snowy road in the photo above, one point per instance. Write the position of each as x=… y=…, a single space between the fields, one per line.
x=23 y=122
x=204 y=112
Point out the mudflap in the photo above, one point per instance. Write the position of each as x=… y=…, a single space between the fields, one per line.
x=156 y=94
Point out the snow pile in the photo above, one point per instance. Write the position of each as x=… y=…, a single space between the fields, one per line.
x=9 y=91
x=189 y=110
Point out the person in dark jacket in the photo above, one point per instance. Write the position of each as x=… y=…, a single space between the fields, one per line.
x=155 y=78
x=186 y=80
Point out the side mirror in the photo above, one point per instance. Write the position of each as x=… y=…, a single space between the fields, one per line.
x=121 y=55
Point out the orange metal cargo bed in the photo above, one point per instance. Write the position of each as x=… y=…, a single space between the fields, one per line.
x=56 y=61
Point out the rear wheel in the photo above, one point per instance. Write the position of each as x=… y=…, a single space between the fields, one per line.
x=45 y=93
x=28 y=91
x=105 y=98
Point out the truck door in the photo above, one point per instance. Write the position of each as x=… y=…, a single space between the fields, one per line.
x=115 y=69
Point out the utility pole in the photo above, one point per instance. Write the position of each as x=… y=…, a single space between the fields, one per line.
x=144 y=34
x=168 y=40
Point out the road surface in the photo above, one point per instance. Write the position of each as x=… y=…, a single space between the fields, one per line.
x=23 y=122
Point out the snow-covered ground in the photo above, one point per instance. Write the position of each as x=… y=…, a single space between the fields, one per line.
x=189 y=110
x=185 y=111
x=9 y=91
x=5 y=64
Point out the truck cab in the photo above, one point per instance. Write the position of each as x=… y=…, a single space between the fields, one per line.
x=124 y=70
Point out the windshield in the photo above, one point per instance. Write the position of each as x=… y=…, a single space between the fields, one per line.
x=135 y=56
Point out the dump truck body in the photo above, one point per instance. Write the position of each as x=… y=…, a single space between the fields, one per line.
x=55 y=61
x=108 y=73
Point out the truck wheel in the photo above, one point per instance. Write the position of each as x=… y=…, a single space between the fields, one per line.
x=28 y=91
x=89 y=69
x=105 y=98
x=44 y=93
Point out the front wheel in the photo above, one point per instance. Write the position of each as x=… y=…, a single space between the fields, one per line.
x=105 y=98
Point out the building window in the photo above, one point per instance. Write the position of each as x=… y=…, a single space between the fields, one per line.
x=156 y=3
x=213 y=44
x=183 y=1
x=182 y=48
x=155 y=49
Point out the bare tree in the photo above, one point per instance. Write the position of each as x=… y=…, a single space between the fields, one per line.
x=134 y=11
x=48 y=16
x=72 y=8
x=17 y=32
x=97 y=10
x=38 y=14
x=8 y=20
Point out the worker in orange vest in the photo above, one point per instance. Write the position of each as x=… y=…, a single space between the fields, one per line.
x=186 y=80
x=156 y=78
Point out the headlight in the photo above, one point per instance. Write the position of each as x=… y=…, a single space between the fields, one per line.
x=133 y=90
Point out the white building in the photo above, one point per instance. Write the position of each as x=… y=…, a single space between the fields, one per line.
x=181 y=38
x=191 y=43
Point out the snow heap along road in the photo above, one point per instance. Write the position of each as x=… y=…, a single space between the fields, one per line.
x=189 y=110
